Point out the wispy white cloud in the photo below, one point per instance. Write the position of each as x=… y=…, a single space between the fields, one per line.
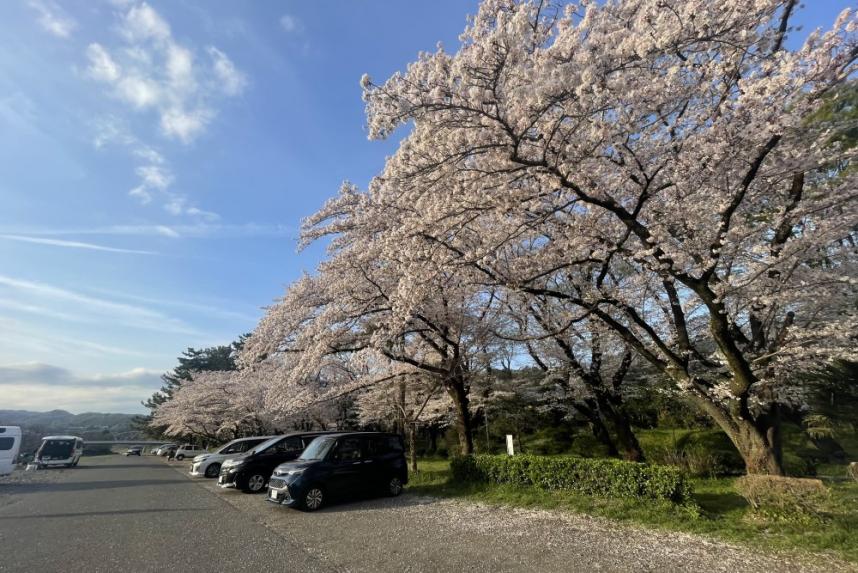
x=39 y=386
x=222 y=309
x=151 y=72
x=154 y=71
x=155 y=176
x=232 y=80
x=73 y=245
x=53 y=19
x=89 y=308
x=185 y=125
x=200 y=230
x=291 y=24
x=142 y=23
x=48 y=374
x=16 y=334
x=101 y=66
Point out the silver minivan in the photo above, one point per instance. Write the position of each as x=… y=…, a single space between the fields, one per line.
x=10 y=444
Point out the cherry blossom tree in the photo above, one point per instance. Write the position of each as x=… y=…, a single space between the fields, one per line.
x=584 y=365
x=665 y=143
x=216 y=405
x=411 y=401
x=343 y=327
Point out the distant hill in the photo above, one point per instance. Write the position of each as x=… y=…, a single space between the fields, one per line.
x=89 y=425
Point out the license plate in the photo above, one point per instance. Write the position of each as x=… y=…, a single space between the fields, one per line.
x=273 y=495
x=220 y=480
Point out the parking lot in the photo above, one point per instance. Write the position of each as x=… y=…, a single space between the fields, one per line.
x=145 y=514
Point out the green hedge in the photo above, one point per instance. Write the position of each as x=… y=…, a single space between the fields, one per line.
x=590 y=476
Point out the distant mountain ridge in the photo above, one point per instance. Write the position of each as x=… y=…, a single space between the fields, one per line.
x=88 y=425
x=64 y=419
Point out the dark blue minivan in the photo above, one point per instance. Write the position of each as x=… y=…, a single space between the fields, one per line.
x=339 y=466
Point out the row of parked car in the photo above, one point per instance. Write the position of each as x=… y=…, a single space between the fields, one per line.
x=169 y=450
x=304 y=469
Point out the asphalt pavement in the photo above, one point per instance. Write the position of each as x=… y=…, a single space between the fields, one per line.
x=116 y=513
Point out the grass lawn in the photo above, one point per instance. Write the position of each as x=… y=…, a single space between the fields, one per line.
x=723 y=513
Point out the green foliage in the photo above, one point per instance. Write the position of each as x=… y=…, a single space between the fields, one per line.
x=192 y=360
x=599 y=477
x=701 y=452
x=696 y=461
x=819 y=426
x=779 y=498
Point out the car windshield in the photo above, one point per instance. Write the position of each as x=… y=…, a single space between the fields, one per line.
x=318 y=449
x=57 y=448
x=227 y=447
x=264 y=445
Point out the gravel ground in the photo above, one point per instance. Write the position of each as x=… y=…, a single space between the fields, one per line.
x=413 y=533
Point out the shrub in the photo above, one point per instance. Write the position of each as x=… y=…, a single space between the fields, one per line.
x=695 y=461
x=784 y=498
x=601 y=477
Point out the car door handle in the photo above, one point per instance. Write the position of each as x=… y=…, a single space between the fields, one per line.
x=368 y=462
x=356 y=463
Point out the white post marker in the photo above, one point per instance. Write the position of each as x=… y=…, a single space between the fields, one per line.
x=510 y=448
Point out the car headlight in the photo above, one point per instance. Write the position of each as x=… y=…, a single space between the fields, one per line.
x=284 y=473
x=201 y=458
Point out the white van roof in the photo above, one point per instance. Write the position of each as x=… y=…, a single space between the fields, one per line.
x=62 y=438
x=10 y=430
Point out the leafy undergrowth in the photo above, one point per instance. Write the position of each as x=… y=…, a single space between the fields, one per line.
x=723 y=512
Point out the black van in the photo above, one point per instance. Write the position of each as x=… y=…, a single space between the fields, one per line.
x=341 y=465
x=250 y=472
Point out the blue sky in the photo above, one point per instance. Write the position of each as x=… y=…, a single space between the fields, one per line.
x=156 y=160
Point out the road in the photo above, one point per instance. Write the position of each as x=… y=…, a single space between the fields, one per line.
x=114 y=513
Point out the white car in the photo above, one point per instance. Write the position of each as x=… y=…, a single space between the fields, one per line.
x=189 y=451
x=10 y=443
x=162 y=450
x=208 y=465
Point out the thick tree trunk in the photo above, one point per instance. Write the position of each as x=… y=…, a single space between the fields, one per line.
x=458 y=392
x=761 y=456
x=597 y=424
x=758 y=441
x=625 y=436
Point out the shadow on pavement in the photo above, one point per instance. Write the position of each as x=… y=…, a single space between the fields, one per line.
x=115 y=466
x=24 y=488
x=370 y=502
x=97 y=513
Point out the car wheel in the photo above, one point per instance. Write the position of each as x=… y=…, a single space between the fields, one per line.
x=212 y=471
x=394 y=486
x=180 y=457
x=313 y=499
x=255 y=483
